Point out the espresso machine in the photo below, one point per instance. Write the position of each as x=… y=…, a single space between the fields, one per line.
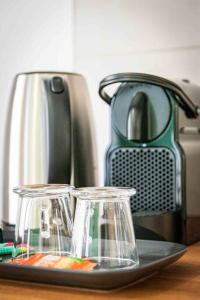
x=50 y=135
x=155 y=148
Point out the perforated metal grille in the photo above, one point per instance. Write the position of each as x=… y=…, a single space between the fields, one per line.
x=151 y=171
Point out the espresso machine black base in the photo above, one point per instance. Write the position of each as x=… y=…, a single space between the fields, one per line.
x=160 y=226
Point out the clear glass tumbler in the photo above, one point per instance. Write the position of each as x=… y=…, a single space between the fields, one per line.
x=44 y=220
x=103 y=229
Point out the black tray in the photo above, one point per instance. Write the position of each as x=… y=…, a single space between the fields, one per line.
x=153 y=256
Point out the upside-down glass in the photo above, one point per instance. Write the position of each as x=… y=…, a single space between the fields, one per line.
x=103 y=228
x=44 y=220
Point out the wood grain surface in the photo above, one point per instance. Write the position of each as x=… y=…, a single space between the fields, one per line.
x=180 y=281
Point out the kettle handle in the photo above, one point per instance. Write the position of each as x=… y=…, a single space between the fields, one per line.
x=191 y=110
x=59 y=135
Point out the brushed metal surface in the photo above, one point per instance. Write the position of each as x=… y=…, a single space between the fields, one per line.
x=29 y=151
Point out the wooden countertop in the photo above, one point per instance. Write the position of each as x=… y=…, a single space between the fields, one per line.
x=180 y=281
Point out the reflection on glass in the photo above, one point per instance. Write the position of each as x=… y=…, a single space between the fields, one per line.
x=103 y=229
x=44 y=220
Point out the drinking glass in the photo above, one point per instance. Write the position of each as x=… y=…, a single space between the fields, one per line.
x=103 y=229
x=44 y=220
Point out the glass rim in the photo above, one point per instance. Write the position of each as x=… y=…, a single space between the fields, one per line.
x=31 y=190
x=94 y=193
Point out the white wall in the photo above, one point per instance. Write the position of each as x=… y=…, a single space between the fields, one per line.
x=34 y=35
x=153 y=36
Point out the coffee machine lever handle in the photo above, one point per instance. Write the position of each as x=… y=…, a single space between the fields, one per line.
x=191 y=110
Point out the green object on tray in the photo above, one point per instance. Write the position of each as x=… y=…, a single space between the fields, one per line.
x=6 y=250
x=9 y=249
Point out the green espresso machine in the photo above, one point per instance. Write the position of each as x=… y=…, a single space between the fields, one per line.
x=155 y=148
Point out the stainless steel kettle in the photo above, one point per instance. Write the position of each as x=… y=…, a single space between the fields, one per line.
x=50 y=136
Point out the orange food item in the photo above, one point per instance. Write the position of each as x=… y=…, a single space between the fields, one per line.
x=86 y=265
x=65 y=263
x=58 y=262
x=32 y=260
x=26 y=261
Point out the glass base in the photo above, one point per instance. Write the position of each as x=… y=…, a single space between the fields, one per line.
x=104 y=263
